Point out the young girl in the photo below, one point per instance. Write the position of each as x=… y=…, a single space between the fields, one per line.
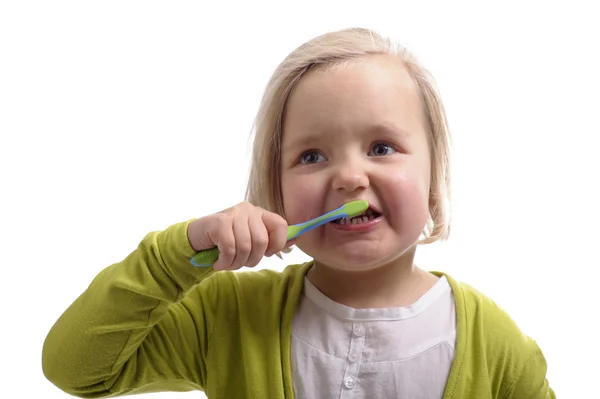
x=345 y=116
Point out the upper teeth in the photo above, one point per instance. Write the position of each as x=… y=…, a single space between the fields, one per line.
x=368 y=212
x=366 y=215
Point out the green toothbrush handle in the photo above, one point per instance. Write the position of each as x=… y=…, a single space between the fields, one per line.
x=208 y=257
x=205 y=258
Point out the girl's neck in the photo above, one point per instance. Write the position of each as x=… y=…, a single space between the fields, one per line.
x=397 y=284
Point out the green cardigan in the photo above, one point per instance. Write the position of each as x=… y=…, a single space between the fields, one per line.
x=153 y=322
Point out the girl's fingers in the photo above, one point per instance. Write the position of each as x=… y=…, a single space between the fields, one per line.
x=259 y=240
x=227 y=247
x=243 y=243
x=277 y=229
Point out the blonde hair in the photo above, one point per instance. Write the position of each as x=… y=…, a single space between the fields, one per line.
x=264 y=185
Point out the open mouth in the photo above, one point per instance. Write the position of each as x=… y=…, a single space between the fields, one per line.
x=364 y=217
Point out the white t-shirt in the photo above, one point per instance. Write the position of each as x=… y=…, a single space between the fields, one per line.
x=342 y=352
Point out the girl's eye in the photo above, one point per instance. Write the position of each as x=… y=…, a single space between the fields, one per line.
x=311 y=157
x=381 y=149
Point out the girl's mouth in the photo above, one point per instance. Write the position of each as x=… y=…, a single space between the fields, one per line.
x=368 y=216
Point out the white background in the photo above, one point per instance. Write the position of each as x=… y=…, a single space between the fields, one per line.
x=122 y=117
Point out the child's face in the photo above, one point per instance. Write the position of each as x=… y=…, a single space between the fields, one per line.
x=357 y=132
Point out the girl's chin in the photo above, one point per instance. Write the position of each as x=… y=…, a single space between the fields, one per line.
x=352 y=260
x=358 y=256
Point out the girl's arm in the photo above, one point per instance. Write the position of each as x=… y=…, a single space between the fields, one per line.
x=143 y=325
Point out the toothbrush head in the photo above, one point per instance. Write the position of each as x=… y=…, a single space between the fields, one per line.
x=347 y=210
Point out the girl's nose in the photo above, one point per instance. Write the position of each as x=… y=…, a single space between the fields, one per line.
x=350 y=178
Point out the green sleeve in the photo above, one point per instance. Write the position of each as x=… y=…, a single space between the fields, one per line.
x=142 y=325
x=531 y=381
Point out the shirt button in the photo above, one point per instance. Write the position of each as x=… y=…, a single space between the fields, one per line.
x=358 y=330
x=349 y=382
x=352 y=358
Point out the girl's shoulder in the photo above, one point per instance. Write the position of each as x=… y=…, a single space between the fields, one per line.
x=488 y=338
x=484 y=317
x=478 y=309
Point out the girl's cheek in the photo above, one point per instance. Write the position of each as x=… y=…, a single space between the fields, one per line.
x=302 y=201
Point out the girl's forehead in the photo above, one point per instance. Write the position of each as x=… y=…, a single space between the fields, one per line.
x=382 y=98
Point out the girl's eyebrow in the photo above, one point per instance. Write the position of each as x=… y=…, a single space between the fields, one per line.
x=316 y=135
x=303 y=141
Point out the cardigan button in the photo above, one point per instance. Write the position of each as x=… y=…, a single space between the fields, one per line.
x=349 y=382
x=358 y=330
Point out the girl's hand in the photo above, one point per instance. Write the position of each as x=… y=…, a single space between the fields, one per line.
x=243 y=233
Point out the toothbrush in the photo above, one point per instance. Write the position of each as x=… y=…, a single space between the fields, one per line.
x=208 y=257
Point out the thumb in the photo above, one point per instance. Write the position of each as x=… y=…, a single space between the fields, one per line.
x=290 y=243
